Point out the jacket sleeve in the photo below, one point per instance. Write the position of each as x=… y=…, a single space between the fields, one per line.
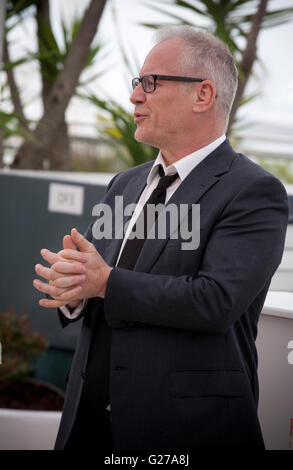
x=241 y=255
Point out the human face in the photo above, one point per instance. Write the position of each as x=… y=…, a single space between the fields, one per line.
x=162 y=116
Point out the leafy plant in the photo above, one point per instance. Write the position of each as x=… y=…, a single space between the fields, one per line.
x=20 y=345
x=61 y=64
x=229 y=19
x=10 y=126
x=52 y=56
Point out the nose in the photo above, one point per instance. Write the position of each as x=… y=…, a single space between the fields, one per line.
x=138 y=95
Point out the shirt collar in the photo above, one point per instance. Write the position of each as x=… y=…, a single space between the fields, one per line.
x=186 y=164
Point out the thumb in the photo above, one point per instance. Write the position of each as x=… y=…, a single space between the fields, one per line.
x=68 y=243
x=82 y=243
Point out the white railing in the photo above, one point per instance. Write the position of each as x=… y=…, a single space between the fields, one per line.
x=275 y=370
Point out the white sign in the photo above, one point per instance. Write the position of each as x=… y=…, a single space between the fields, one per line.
x=66 y=198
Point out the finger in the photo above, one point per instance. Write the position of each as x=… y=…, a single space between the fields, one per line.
x=55 y=292
x=50 y=303
x=46 y=273
x=73 y=255
x=82 y=243
x=49 y=256
x=68 y=243
x=65 y=267
x=70 y=294
x=68 y=281
x=47 y=288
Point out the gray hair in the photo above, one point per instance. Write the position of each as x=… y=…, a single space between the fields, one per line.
x=208 y=57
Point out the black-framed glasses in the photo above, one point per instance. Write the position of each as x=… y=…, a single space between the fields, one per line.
x=149 y=81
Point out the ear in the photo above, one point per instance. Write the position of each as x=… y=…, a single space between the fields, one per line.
x=204 y=96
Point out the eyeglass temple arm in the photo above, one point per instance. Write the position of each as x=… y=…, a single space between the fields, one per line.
x=178 y=79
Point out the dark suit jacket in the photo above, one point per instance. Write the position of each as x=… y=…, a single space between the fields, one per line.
x=183 y=367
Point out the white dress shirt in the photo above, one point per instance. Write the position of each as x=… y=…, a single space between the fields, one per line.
x=183 y=167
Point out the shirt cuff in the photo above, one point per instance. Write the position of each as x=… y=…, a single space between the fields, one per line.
x=75 y=313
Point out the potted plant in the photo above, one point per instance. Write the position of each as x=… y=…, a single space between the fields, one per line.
x=29 y=409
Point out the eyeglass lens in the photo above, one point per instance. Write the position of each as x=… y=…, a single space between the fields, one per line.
x=148 y=83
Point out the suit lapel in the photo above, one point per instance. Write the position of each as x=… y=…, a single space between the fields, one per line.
x=131 y=194
x=201 y=179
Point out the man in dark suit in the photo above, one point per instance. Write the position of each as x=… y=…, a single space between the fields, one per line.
x=166 y=358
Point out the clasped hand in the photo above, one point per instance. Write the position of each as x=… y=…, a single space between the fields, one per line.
x=74 y=275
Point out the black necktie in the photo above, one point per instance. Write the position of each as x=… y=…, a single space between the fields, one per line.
x=133 y=246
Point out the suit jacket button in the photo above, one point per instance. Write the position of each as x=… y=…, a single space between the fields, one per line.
x=82 y=374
